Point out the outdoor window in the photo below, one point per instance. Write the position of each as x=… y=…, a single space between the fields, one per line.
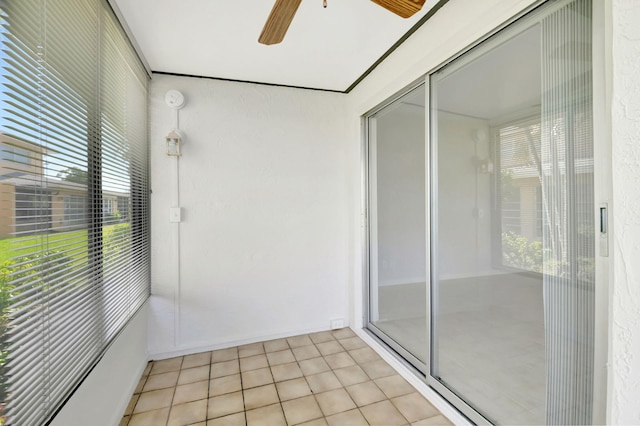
x=74 y=237
x=13 y=154
x=75 y=210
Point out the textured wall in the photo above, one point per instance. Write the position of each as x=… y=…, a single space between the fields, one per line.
x=262 y=249
x=625 y=308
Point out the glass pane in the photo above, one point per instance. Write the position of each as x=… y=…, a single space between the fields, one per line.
x=397 y=222
x=489 y=328
x=513 y=275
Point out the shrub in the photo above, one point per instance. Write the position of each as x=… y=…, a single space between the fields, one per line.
x=518 y=252
x=29 y=270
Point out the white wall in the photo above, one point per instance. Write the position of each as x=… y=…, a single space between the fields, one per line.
x=625 y=305
x=103 y=396
x=262 y=248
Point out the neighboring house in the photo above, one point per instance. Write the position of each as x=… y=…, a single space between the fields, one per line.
x=26 y=197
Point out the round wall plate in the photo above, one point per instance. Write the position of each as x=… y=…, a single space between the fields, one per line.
x=174 y=99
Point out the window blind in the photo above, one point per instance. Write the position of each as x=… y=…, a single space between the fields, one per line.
x=74 y=230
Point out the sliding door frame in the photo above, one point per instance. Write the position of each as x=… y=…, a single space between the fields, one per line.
x=369 y=220
x=602 y=195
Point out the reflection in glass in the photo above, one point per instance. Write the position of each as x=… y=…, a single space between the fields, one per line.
x=397 y=223
x=513 y=248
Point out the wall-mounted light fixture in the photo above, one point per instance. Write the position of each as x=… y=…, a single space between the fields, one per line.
x=174 y=139
x=484 y=165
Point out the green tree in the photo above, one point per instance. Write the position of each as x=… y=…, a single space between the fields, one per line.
x=73 y=174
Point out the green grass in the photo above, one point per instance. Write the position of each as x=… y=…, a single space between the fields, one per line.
x=74 y=243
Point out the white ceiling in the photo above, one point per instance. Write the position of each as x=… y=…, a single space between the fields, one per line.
x=323 y=49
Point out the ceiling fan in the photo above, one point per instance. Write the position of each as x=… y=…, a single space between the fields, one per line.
x=284 y=10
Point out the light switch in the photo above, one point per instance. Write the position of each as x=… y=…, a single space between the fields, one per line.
x=175 y=214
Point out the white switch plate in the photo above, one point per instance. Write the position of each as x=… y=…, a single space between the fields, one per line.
x=175 y=214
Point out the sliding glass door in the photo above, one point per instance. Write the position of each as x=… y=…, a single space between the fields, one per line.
x=494 y=299
x=513 y=222
x=397 y=277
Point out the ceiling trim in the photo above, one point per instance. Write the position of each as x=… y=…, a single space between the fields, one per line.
x=248 y=82
x=397 y=44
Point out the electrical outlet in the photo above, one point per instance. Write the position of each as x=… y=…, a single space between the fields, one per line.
x=337 y=323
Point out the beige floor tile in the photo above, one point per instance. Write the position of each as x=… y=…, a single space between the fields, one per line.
x=237 y=419
x=438 y=420
x=150 y=418
x=323 y=382
x=276 y=345
x=224 y=355
x=414 y=407
x=351 y=375
x=321 y=379
x=348 y=418
x=260 y=396
x=141 y=383
x=191 y=375
x=305 y=352
x=132 y=403
x=365 y=393
x=225 y=368
x=316 y=422
x=383 y=413
x=301 y=410
x=328 y=348
x=166 y=365
x=343 y=333
x=188 y=414
x=224 y=385
x=253 y=362
x=196 y=360
x=298 y=341
x=224 y=405
x=160 y=381
x=250 y=350
x=286 y=372
x=352 y=343
x=270 y=415
x=378 y=369
x=364 y=355
x=259 y=377
x=334 y=402
x=280 y=357
x=393 y=386
x=191 y=392
x=313 y=366
x=339 y=360
x=292 y=389
x=323 y=336
x=154 y=400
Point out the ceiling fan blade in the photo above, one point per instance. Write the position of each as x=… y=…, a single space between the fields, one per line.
x=403 y=8
x=278 y=21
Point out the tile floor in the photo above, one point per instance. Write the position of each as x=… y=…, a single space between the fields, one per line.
x=326 y=378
